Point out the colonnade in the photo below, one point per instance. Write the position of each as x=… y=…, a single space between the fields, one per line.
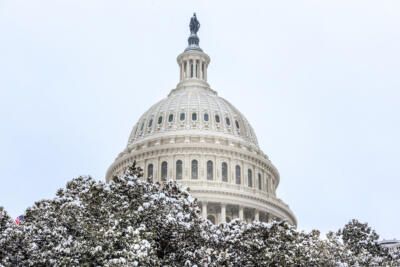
x=223 y=212
x=193 y=68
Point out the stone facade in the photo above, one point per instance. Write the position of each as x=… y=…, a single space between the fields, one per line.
x=201 y=140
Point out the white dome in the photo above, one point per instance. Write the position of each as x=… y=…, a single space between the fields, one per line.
x=202 y=141
x=194 y=110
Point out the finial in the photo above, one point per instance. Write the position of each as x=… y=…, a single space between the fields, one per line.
x=194 y=40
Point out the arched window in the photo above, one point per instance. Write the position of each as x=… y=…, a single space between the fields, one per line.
x=206 y=117
x=249 y=178
x=217 y=119
x=150 y=169
x=194 y=116
x=182 y=116
x=224 y=171
x=179 y=170
x=237 y=124
x=237 y=174
x=195 y=169
x=210 y=170
x=164 y=170
x=150 y=123
x=259 y=181
x=228 y=122
x=141 y=127
x=160 y=120
x=170 y=117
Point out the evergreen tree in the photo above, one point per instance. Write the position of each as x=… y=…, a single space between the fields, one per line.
x=362 y=242
x=133 y=222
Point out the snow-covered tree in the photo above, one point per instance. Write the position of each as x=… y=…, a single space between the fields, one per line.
x=126 y=222
x=362 y=242
x=133 y=222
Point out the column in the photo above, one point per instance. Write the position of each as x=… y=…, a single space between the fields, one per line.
x=201 y=70
x=241 y=213
x=257 y=215
x=196 y=72
x=187 y=69
x=191 y=73
x=204 y=209
x=198 y=64
x=223 y=213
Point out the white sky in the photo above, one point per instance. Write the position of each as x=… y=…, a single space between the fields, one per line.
x=318 y=80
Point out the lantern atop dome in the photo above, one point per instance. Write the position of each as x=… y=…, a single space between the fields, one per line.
x=193 y=62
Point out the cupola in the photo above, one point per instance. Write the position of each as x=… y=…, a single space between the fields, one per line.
x=193 y=62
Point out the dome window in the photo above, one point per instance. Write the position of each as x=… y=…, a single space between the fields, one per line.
x=195 y=172
x=182 y=116
x=237 y=124
x=224 y=172
x=249 y=178
x=164 y=170
x=150 y=168
x=170 y=117
x=160 y=120
x=141 y=127
x=217 y=120
x=150 y=122
x=259 y=182
x=210 y=170
x=237 y=174
x=179 y=170
x=228 y=122
x=194 y=116
x=206 y=117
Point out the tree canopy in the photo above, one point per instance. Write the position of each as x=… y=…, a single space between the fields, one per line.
x=133 y=222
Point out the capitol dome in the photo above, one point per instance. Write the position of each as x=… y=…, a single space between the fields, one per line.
x=197 y=109
x=201 y=140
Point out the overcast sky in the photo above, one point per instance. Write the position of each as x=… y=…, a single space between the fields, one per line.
x=318 y=80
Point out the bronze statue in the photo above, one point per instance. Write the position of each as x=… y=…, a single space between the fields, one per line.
x=194 y=24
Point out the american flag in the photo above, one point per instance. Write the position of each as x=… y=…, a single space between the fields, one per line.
x=19 y=219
